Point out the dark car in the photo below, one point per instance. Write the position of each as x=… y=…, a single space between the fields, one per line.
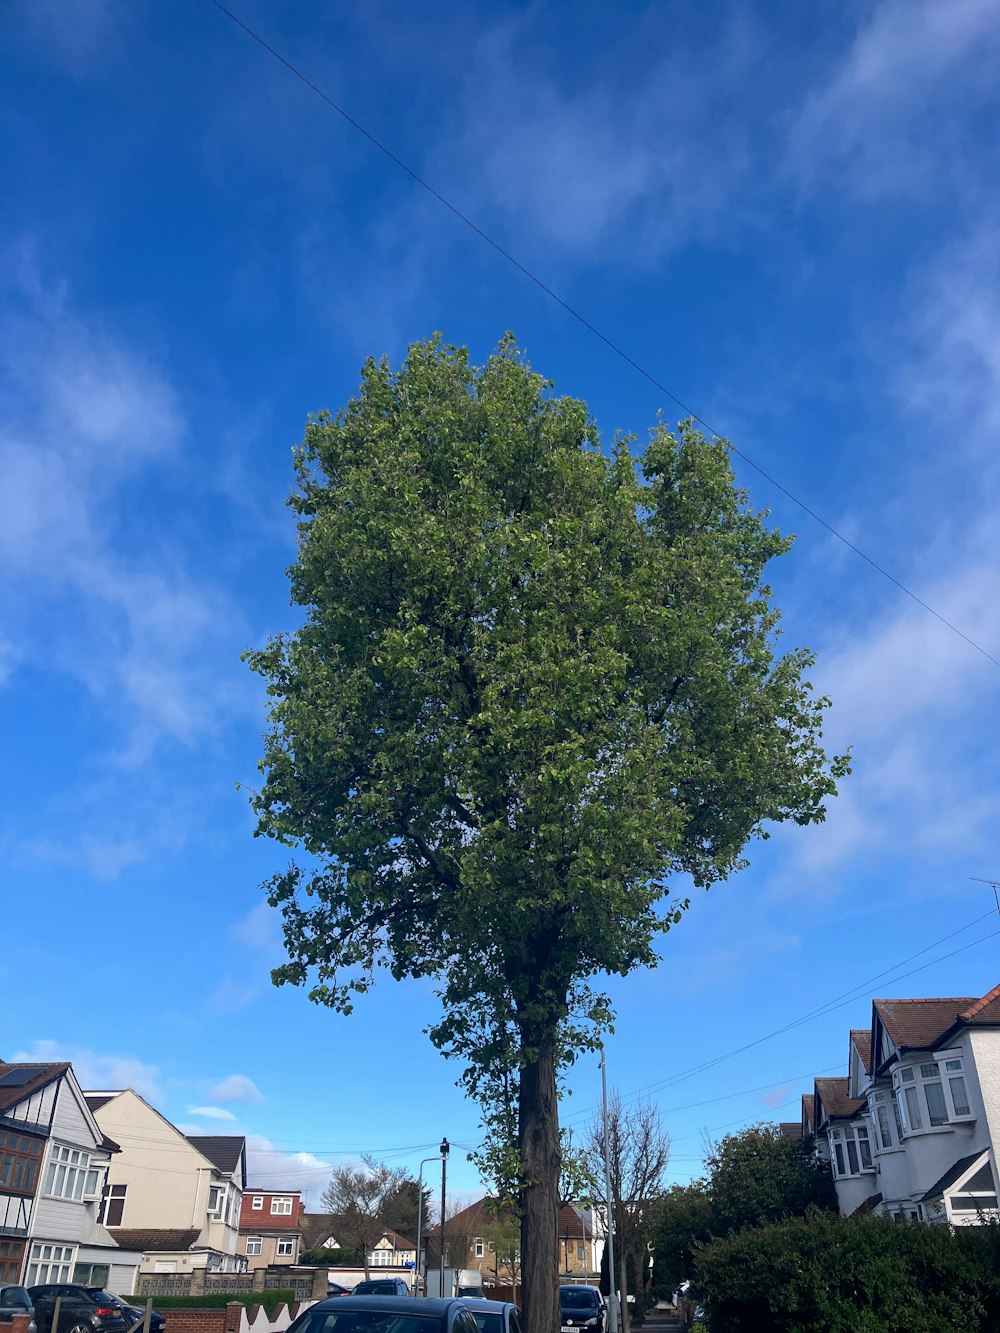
x=81 y=1311
x=494 y=1316
x=386 y=1314
x=581 y=1307
x=15 y=1300
x=335 y=1289
x=133 y=1313
x=381 y=1286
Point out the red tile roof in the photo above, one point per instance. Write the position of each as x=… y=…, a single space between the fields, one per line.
x=832 y=1092
x=986 y=1010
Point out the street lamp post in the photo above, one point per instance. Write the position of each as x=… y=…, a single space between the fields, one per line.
x=610 y=1241
x=444 y=1150
x=420 y=1219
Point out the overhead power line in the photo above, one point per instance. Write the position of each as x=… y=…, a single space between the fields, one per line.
x=592 y=328
x=838 y=1002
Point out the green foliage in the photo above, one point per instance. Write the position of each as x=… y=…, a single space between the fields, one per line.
x=216 y=1300
x=851 y=1275
x=327 y=1254
x=760 y=1176
x=531 y=685
x=685 y=1221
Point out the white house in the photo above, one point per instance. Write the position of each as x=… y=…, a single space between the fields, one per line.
x=174 y=1197
x=913 y=1129
x=54 y=1161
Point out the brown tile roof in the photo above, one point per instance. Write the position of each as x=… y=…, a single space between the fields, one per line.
x=35 y=1075
x=918 y=1025
x=790 y=1129
x=480 y=1214
x=862 y=1039
x=809 y=1109
x=154 y=1238
x=398 y=1242
x=832 y=1092
x=316 y=1228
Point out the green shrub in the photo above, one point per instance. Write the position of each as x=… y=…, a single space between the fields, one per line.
x=216 y=1300
x=850 y=1275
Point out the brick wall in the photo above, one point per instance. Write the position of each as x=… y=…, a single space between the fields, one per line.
x=226 y=1320
x=17 y=1323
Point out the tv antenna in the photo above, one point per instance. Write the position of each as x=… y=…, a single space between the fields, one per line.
x=994 y=885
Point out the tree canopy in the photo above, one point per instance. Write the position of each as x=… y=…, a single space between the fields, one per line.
x=534 y=682
x=760 y=1176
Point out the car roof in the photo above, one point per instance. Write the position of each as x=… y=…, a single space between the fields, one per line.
x=482 y=1303
x=399 y=1304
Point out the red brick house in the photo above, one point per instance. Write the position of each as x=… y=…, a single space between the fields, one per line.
x=271 y=1227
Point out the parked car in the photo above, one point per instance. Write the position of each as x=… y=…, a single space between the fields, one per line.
x=494 y=1316
x=335 y=1289
x=15 y=1300
x=381 y=1286
x=581 y=1306
x=386 y=1314
x=133 y=1313
x=80 y=1312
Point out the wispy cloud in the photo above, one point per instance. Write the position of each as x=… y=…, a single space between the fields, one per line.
x=211 y=1112
x=270 y=1168
x=97 y=1071
x=237 y=1088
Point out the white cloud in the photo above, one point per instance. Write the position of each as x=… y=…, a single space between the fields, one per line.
x=96 y=1071
x=211 y=1112
x=237 y=1088
x=259 y=929
x=878 y=120
x=270 y=1168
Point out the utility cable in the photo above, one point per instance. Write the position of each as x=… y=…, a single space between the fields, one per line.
x=592 y=328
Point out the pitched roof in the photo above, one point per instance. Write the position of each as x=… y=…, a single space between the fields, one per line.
x=809 y=1109
x=986 y=1010
x=951 y=1175
x=317 y=1227
x=832 y=1092
x=222 y=1150
x=95 y=1100
x=154 y=1238
x=918 y=1025
x=862 y=1039
x=18 y=1081
x=790 y=1129
x=398 y=1242
x=481 y=1214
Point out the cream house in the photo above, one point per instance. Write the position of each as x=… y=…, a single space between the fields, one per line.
x=174 y=1197
x=54 y=1163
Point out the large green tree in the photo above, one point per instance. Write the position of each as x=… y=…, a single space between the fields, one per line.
x=533 y=682
x=760 y=1176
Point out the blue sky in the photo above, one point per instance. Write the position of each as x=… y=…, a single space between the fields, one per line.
x=787 y=213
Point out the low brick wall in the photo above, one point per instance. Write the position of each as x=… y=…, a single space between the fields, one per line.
x=226 y=1320
x=18 y=1323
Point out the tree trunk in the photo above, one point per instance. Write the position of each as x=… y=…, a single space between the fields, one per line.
x=625 y=1322
x=541 y=1158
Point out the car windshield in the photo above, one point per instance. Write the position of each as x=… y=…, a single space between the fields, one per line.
x=578 y=1300
x=364 y=1321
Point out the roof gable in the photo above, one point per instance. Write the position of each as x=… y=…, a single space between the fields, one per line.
x=919 y=1025
x=833 y=1101
x=985 y=1011
x=226 y=1152
x=19 y=1082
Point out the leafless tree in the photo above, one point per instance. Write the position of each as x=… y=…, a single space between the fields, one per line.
x=358 y=1197
x=639 y=1150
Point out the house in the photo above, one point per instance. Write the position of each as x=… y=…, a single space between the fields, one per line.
x=325 y=1231
x=913 y=1129
x=174 y=1197
x=475 y=1229
x=271 y=1227
x=54 y=1162
x=392 y=1250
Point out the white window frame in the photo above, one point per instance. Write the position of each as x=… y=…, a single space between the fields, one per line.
x=112 y=1194
x=257 y=1203
x=281 y=1206
x=844 y=1138
x=218 y=1208
x=254 y=1244
x=49 y=1263
x=883 y=1099
x=910 y=1083
x=285 y=1248
x=69 y=1175
x=480 y=1247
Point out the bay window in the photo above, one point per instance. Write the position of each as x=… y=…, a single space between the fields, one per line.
x=886 y=1123
x=851 y=1149
x=931 y=1093
x=70 y=1175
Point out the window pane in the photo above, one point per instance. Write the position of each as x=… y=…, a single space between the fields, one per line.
x=839 y=1150
x=884 y=1127
x=959 y=1095
x=898 y=1119
x=953 y=1064
x=906 y=1075
x=913 y=1109
x=936 y=1108
x=929 y=1071
x=852 y=1156
x=866 y=1154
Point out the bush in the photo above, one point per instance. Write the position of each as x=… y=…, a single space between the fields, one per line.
x=850 y=1275
x=216 y=1300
